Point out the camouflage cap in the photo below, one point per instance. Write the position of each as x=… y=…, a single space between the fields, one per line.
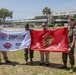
x=71 y=19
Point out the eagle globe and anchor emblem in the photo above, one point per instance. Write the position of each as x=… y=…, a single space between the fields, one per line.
x=47 y=40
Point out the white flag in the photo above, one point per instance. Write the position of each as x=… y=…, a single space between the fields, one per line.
x=14 y=40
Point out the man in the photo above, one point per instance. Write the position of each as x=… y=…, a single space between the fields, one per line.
x=26 y=50
x=43 y=52
x=71 y=40
x=4 y=53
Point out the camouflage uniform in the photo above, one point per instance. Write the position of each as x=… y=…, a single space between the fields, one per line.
x=31 y=52
x=71 y=35
x=26 y=50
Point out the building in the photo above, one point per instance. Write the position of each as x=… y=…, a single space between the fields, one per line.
x=65 y=12
x=37 y=20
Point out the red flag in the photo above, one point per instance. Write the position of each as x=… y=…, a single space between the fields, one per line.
x=50 y=40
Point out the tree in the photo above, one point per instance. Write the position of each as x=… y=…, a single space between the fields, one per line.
x=47 y=11
x=5 y=13
x=61 y=17
x=65 y=16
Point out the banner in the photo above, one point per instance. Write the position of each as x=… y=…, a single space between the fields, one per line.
x=50 y=40
x=55 y=40
x=14 y=40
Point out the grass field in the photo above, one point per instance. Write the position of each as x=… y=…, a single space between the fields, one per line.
x=18 y=66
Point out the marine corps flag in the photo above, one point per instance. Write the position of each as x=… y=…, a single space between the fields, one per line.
x=50 y=40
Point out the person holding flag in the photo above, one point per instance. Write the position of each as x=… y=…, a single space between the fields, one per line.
x=71 y=41
x=43 y=52
x=4 y=53
x=26 y=50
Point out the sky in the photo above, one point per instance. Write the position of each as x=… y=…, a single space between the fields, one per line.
x=24 y=9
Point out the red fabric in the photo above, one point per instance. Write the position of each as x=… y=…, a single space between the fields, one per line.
x=59 y=38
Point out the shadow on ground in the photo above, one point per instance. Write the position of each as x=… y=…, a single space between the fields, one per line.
x=51 y=65
x=36 y=63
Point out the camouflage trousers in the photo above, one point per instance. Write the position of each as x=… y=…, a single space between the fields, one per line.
x=4 y=53
x=70 y=55
x=30 y=52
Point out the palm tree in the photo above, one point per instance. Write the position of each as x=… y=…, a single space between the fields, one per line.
x=47 y=11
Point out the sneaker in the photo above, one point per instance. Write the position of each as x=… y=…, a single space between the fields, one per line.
x=40 y=63
x=7 y=61
x=47 y=64
x=71 y=70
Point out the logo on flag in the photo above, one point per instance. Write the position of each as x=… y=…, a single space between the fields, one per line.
x=7 y=45
x=47 y=40
x=3 y=36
